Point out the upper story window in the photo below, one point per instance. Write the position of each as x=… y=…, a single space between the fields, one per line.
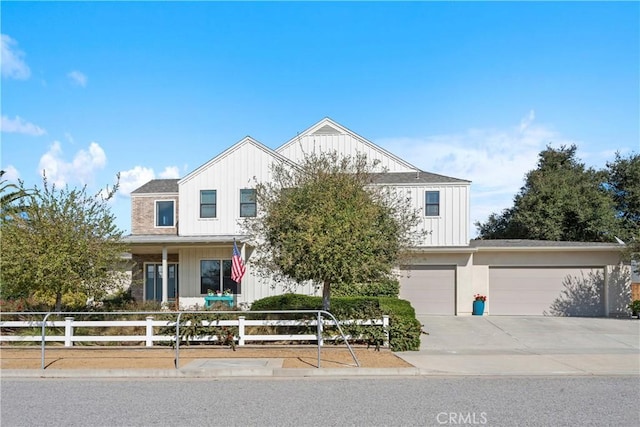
x=432 y=203
x=165 y=213
x=208 y=204
x=248 y=206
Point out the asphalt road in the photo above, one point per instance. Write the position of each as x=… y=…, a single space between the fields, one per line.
x=418 y=401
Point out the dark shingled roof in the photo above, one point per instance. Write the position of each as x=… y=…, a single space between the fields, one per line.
x=158 y=186
x=418 y=177
x=519 y=243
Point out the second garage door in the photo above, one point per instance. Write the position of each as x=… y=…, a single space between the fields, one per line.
x=430 y=289
x=546 y=291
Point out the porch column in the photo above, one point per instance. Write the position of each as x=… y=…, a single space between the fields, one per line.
x=165 y=278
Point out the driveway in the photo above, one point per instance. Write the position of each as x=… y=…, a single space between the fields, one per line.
x=527 y=345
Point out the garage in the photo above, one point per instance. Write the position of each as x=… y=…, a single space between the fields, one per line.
x=567 y=291
x=430 y=289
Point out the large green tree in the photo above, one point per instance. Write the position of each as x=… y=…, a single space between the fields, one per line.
x=560 y=200
x=623 y=184
x=326 y=221
x=64 y=242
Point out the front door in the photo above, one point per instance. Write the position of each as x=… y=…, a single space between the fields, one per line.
x=153 y=282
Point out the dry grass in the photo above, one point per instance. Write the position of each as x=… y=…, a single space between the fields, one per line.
x=163 y=358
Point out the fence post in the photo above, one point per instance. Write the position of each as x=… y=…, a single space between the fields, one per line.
x=68 y=331
x=385 y=325
x=149 y=340
x=320 y=330
x=241 y=330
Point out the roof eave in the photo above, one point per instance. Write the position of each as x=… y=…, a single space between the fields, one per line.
x=549 y=248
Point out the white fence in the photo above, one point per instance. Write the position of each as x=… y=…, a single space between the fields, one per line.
x=45 y=334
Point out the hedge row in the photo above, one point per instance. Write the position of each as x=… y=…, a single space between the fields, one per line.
x=404 y=328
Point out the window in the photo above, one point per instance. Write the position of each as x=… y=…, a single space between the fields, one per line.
x=153 y=282
x=432 y=203
x=207 y=203
x=164 y=213
x=248 y=203
x=217 y=279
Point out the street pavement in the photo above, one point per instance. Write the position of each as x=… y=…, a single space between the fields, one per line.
x=452 y=346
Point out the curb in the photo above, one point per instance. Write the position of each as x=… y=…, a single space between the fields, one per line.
x=209 y=373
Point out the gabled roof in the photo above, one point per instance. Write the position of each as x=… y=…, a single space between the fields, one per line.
x=247 y=140
x=418 y=177
x=158 y=186
x=327 y=126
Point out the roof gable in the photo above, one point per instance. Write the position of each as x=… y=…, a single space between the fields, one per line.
x=327 y=126
x=246 y=141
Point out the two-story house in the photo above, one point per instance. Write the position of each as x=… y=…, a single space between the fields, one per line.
x=183 y=232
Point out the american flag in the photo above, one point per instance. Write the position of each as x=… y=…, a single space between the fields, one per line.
x=237 y=265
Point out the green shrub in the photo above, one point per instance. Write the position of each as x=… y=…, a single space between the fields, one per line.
x=386 y=288
x=22 y=305
x=400 y=307
x=405 y=328
x=404 y=331
x=287 y=302
x=118 y=301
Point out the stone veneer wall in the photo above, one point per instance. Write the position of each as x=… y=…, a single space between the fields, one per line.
x=143 y=215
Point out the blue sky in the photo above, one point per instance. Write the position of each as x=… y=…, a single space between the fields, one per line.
x=473 y=90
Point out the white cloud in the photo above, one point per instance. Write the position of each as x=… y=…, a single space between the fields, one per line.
x=81 y=168
x=78 y=78
x=170 y=172
x=495 y=160
x=13 y=66
x=134 y=178
x=11 y=174
x=18 y=125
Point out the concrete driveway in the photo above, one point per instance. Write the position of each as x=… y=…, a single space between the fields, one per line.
x=527 y=345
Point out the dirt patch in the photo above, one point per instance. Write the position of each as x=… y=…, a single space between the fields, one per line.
x=164 y=358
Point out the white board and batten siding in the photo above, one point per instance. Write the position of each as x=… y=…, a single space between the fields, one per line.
x=241 y=167
x=451 y=228
x=345 y=145
x=327 y=136
x=252 y=287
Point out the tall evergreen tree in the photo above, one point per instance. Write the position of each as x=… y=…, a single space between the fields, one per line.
x=561 y=200
x=623 y=184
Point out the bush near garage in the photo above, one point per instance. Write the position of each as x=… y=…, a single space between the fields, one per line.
x=386 y=288
x=404 y=330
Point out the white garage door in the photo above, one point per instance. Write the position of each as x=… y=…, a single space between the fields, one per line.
x=546 y=291
x=430 y=289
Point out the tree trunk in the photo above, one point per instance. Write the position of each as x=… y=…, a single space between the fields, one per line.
x=58 y=306
x=326 y=296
